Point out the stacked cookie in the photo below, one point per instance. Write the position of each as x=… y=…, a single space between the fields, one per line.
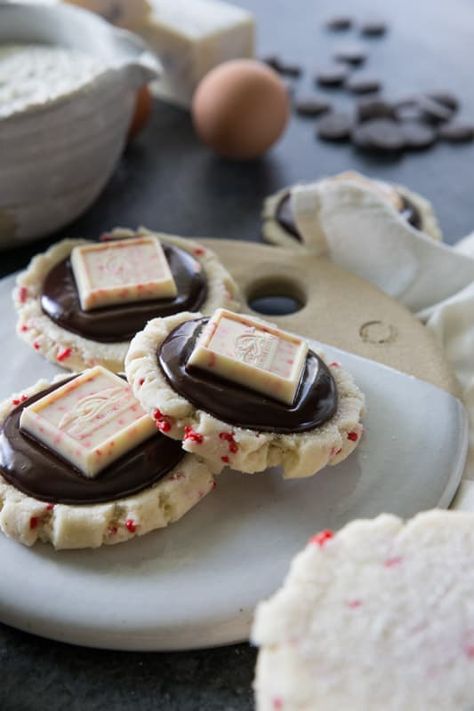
x=98 y=457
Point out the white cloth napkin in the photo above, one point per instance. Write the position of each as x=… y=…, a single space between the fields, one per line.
x=359 y=231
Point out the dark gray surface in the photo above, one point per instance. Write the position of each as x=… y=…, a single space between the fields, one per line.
x=168 y=181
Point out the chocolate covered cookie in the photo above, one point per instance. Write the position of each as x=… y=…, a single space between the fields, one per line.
x=82 y=465
x=238 y=391
x=283 y=226
x=80 y=303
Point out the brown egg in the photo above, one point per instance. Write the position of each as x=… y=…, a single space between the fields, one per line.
x=141 y=115
x=240 y=109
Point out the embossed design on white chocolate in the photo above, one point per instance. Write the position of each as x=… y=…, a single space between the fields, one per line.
x=90 y=421
x=255 y=348
x=100 y=408
x=252 y=354
x=121 y=271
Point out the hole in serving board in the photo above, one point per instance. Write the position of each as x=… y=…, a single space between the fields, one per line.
x=276 y=297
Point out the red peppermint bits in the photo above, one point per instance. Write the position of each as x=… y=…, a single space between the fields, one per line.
x=199 y=251
x=49 y=507
x=19 y=400
x=22 y=294
x=393 y=562
x=34 y=522
x=322 y=537
x=229 y=437
x=191 y=434
x=24 y=328
x=225 y=459
x=353 y=436
x=334 y=364
x=130 y=525
x=113 y=530
x=141 y=381
x=163 y=425
x=64 y=354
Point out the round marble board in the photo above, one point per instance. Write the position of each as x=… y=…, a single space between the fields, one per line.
x=196 y=584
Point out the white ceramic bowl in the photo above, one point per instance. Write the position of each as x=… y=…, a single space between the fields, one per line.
x=55 y=159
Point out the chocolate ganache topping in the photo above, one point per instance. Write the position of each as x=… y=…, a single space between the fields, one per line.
x=38 y=472
x=285 y=217
x=109 y=324
x=315 y=402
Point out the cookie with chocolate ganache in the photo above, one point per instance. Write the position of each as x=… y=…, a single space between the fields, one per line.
x=82 y=465
x=238 y=391
x=280 y=225
x=80 y=303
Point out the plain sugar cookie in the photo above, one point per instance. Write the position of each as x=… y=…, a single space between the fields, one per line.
x=377 y=616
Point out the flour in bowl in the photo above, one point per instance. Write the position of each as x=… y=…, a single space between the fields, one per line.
x=32 y=75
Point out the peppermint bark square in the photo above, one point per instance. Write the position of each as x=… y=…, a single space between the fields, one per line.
x=250 y=353
x=121 y=271
x=90 y=422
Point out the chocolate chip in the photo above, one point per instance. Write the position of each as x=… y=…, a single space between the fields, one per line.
x=433 y=110
x=374 y=108
x=417 y=135
x=335 y=126
x=351 y=53
x=332 y=75
x=339 y=22
x=457 y=131
x=408 y=110
x=272 y=61
x=373 y=27
x=282 y=67
x=363 y=84
x=446 y=98
x=311 y=106
x=381 y=135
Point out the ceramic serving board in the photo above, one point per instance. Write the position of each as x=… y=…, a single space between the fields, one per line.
x=196 y=584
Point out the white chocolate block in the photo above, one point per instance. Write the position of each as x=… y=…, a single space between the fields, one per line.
x=193 y=36
x=121 y=271
x=90 y=421
x=262 y=358
x=130 y=14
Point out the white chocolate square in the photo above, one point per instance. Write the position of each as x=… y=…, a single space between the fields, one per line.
x=121 y=271
x=90 y=421
x=260 y=357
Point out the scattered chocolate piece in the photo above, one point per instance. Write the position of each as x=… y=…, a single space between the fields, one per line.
x=434 y=111
x=335 y=126
x=351 y=53
x=332 y=75
x=311 y=106
x=457 y=131
x=380 y=135
x=374 y=108
x=339 y=22
x=373 y=27
x=363 y=84
x=408 y=110
x=287 y=69
x=446 y=98
x=417 y=135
